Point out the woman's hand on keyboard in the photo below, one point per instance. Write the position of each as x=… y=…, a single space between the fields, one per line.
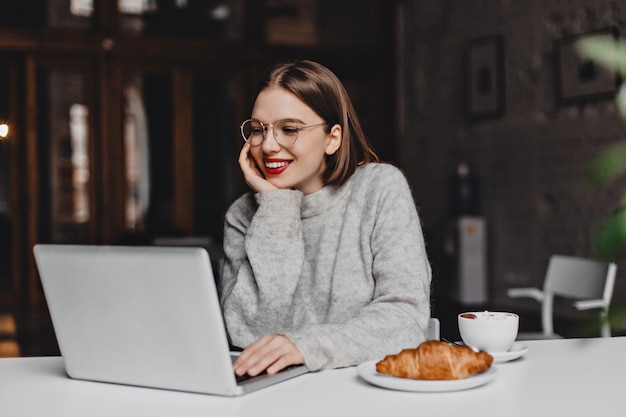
x=271 y=353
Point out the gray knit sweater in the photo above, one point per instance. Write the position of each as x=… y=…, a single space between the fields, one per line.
x=342 y=272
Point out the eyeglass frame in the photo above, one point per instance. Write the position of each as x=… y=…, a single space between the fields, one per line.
x=265 y=127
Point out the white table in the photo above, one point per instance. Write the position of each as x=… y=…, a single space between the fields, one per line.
x=575 y=377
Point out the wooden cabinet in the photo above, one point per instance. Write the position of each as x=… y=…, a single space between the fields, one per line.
x=124 y=117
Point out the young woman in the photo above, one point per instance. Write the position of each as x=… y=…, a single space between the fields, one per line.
x=325 y=261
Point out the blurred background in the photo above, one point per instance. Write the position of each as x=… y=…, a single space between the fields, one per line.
x=119 y=124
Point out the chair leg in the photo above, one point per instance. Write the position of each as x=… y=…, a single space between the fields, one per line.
x=605 y=329
x=546 y=314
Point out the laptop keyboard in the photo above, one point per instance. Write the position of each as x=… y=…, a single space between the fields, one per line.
x=246 y=377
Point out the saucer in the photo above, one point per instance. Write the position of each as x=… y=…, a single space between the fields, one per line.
x=516 y=351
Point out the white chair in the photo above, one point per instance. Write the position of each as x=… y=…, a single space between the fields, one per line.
x=589 y=283
x=433 y=330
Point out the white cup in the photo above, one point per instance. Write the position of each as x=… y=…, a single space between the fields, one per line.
x=492 y=332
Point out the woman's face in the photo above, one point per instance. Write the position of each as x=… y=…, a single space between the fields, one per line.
x=299 y=166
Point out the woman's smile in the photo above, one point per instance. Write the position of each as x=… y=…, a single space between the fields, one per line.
x=275 y=166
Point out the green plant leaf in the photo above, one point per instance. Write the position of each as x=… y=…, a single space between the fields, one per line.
x=620 y=99
x=610 y=237
x=605 y=50
x=608 y=165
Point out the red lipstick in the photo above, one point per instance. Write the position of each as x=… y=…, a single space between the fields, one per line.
x=275 y=166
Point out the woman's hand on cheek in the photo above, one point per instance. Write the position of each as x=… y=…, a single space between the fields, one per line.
x=251 y=173
x=270 y=353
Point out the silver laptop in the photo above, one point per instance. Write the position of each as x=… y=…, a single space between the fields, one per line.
x=146 y=316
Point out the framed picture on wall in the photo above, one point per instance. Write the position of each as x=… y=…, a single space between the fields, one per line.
x=484 y=83
x=578 y=77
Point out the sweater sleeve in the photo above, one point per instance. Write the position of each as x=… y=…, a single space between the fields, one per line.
x=263 y=262
x=398 y=313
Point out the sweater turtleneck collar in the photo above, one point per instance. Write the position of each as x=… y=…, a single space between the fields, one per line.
x=320 y=201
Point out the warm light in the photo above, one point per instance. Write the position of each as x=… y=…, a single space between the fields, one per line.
x=4 y=130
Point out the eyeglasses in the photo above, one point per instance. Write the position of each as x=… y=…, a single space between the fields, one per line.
x=285 y=131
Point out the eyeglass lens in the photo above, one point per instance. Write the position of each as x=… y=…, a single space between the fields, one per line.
x=285 y=132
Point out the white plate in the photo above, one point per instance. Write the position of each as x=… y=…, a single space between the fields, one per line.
x=367 y=371
x=517 y=350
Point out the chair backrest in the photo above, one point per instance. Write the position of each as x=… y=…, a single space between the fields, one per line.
x=434 y=329
x=580 y=278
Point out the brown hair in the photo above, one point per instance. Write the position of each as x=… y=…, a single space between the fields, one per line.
x=321 y=90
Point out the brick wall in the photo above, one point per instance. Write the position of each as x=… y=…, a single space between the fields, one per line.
x=529 y=160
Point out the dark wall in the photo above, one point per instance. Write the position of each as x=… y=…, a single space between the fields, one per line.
x=530 y=156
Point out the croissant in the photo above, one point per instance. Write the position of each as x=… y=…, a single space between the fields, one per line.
x=434 y=359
